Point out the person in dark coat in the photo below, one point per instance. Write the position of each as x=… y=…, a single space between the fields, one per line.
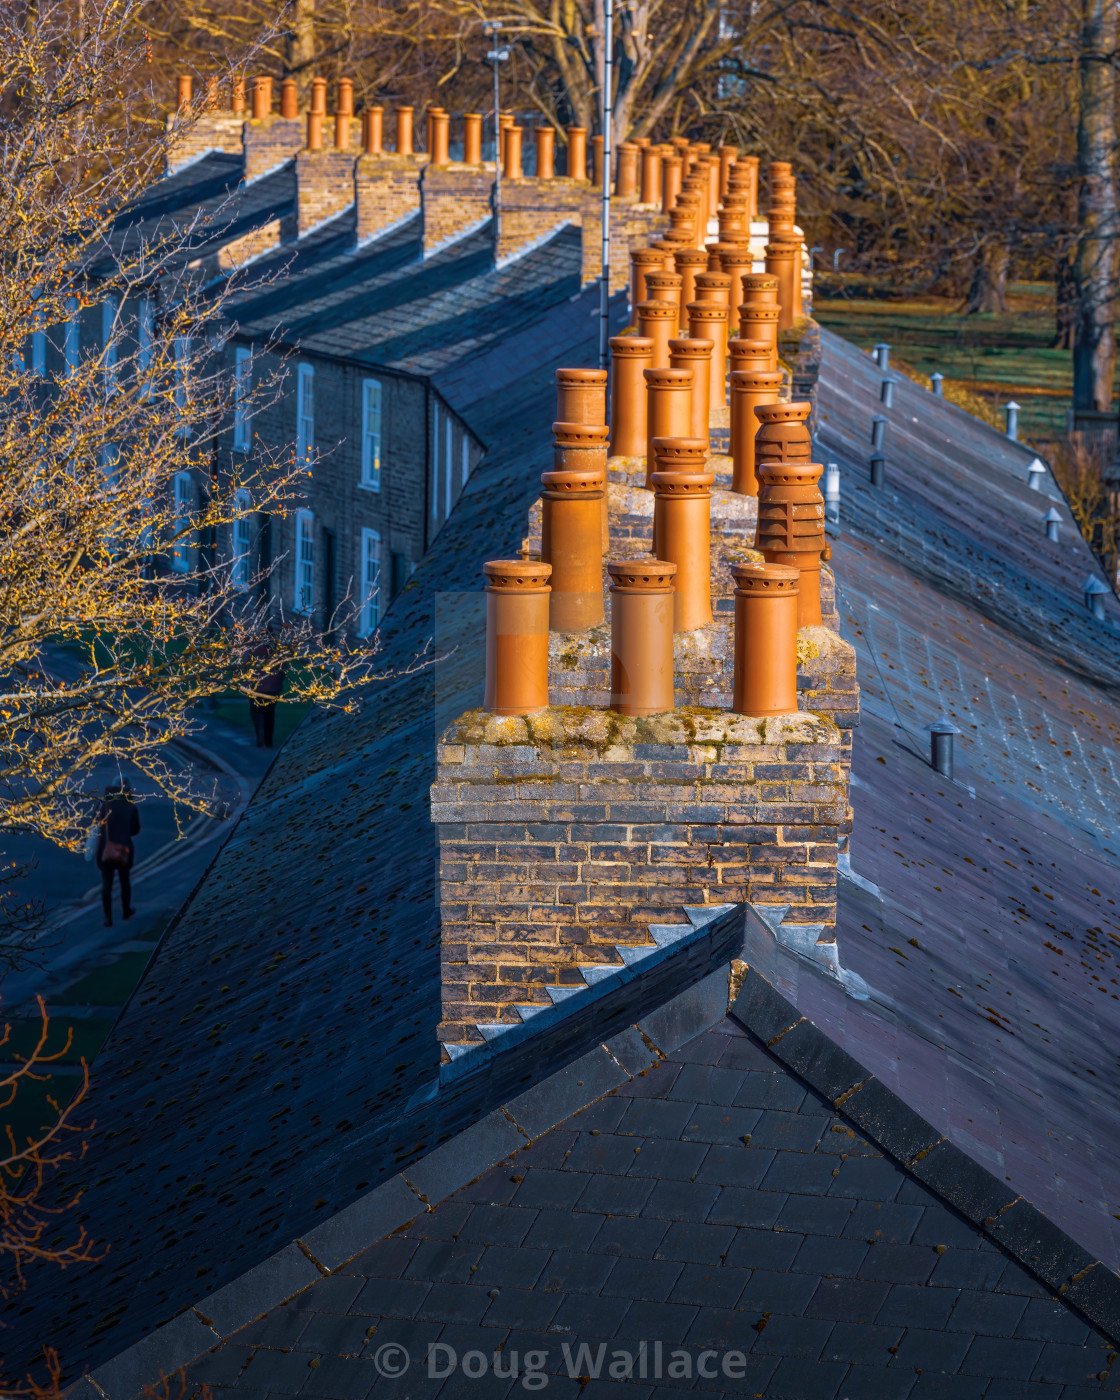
x=262 y=710
x=118 y=822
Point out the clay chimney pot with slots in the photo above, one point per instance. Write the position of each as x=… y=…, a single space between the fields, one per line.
x=546 y=148
x=761 y=323
x=642 y=261
x=237 y=95
x=404 y=131
x=651 y=175
x=185 y=88
x=517 y=592
x=765 y=675
x=760 y=289
x=641 y=636
x=783 y=433
x=736 y=262
x=472 y=138
x=696 y=355
x=688 y=455
x=581 y=396
x=630 y=357
x=690 y=263
x=289 y=100
x=658 y=320
x=707 y=320
x=577 y=153
x=748 y=354
x=749 y=389
x=666 y=286
x=570 y=512
x=749 y=165
x=626 y=173
x=782 y=262
x=683 y=510
x=714 y=286
x=791 y=527
x=582 y=447
x=319 y=96
x=668 y=410
x=670 y=182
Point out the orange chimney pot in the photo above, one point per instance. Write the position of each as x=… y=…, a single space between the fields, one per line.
x=641 y=636
x=765 y=668
x=517 y=593
x=630 y=358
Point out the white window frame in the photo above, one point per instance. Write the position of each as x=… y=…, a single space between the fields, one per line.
x=109 y=343
x=448 y=458
x=372 y=410
x=242 y=386
x=145 y=344
x=241 y=536
x=435 y=463
x=71 y=336
x=179 y=555
x=305 y=412
x=370 y=615
x=303 y=592
x=466 y=460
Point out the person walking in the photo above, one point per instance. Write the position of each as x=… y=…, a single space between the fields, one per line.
x=269 y=688
x=118 y=822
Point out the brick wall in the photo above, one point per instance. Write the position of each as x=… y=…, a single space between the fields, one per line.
x=388 y=190
x=455 y=198
x=563 y=837
x=211 y=131
x=271 y=142
x=324 y=184
x=239 y=251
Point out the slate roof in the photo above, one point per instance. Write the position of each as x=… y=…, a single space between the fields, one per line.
x=712 y=1202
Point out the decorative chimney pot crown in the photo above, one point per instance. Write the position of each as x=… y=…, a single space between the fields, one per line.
x=765 y=640
x=641 y=636
x=630 y=358
x=761 y=323
x=791 y=527
x=517 y=593
x=682 y=510
x=570 y=542
x=714 y=286
x=748 y=354
x=581 y=396
x=783 y=434
x=582 y=447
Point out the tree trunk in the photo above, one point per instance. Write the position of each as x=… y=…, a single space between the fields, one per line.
x=300 y=46
x=1064 y=302
x=1094 y=345
x=988 y=290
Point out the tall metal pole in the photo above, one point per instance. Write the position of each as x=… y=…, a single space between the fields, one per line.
x=608 y=109
x=497 y=151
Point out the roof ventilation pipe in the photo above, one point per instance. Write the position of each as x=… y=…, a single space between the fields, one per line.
x=1052 y=523
x=886 y=393
x=878 y=432
x=878 y=469
x=832 y=492
x=1011 y=414
x=937 y=384
x=1094 y=591
x=1035 y=473
x=941 y=736
x=883 y=356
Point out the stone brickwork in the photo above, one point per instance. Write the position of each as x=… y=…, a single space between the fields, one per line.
x=387 y=188
x=574 y=835
x=270 y=143
x=324 y=185
x=455 y=199
x=799 y=349
x=251 y=245
x=211 y=131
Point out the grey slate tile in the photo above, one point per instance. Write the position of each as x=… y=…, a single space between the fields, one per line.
x=1064 y=1364
x=987 y=1314
x=815 y=1215
x=860 y=1342
x=734 y=1166
x=898 y=1263
x=507 y=1266
x=721 y=1124
x=649 y=1280
x=873 y=1383
x=715 y=1286
x=922 y=1349
x=695 y=1244
x=786 y=1130
x=340 y=1379
x=821 y=1255
x=992 y=1357
x=521 y=1308
x=738 y=1205
x=1050 y=1321
x=666 y=1160
x=443 y=1261
x=680 y=1200
x=848 y=1300
x=915 y=1306
x=796 y=1378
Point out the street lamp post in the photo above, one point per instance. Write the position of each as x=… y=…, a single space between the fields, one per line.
x=498 y=55
x=608 y=111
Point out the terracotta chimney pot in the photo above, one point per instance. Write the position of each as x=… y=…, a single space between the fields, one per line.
x=668 y=410
x=511 y=169
x=668 y=246
x=597 y=161
x=782 y=262
x=651 y=175
x=546 y=152
x=440 y=149
x=517 y=593
x=472 y=138
x=749 y=389
x=748 y=354
x=289 y=99
x=714 y=190
x=430 y=113
x=314 y=130
x=696 y=355
x=749 y=164
x=727 y=158
x=373 y=125
x=688 y=455
x=707 y=320
x=341 y=131
x=665 y=286
x=577 y=153
x=783 y=433
x=736 y=262
x=582 y=447
x=345 y=102
x=714 y=286
x=237 y=95
x=185 y=88
x=211 y=101
x=760 y=289
x=581 y=396
x=630 y=358
x=670 y=182
x=641 y=636
x=319 y=96
x=682 y=224
x=765 y=640
x=659 y=320
x=404 y=131
x=642 y=261
x=682 y=513
x=570 y=542
x=791 y=527
x=734 y=221
x=690 y=263
x=626 y=172
x=761 y=323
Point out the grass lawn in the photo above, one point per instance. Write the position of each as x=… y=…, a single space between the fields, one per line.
x=234 y=709
x=1001 y=355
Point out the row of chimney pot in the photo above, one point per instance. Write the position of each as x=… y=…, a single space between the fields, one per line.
x=671 y=592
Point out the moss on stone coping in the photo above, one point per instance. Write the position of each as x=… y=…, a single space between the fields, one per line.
x=612 y=737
